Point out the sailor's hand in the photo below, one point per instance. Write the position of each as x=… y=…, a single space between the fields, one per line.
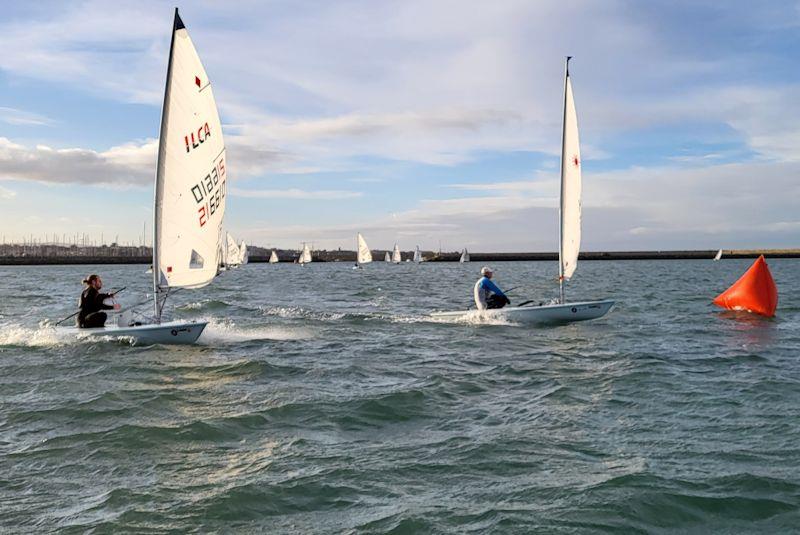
x=117 y=306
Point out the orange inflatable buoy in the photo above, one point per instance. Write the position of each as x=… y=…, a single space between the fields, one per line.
x=755 y=291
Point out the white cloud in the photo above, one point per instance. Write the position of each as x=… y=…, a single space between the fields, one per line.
x=294 y=193
x=14 y=116
x=131 y=164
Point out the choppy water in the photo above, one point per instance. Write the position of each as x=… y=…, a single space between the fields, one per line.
x=321 y=400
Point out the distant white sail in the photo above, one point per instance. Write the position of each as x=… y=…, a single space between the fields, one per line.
x=305 y=256
x=417 y=255
x=570 y=187
x=364 y=254
x=464 y=256
x=718 y=255
x=231 y=251
x=191 y=175
x=244 y=255
x=388 y=257
x=396 y=258
x=273 y=258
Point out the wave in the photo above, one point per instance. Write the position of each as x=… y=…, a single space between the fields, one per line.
x=44 y=335
x=226 y=331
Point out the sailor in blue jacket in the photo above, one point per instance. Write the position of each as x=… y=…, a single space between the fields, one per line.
x=487 y=294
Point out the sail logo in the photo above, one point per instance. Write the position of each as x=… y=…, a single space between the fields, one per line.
x=575 y=161
x=203 y=133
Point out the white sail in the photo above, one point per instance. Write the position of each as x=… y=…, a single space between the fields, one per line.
x=364 y=254
x=244 y=256
x=396 y=255
x=417 y=255
x=718 y=255
x=191 y=175
x=464 y=256
x=273 y=258
x=231 y=251
x=570 y=224
x=387 y=257
x=305 y=256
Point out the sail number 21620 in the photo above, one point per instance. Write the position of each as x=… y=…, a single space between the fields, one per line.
x=210 y=192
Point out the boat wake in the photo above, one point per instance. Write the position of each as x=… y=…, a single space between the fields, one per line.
x=45 y=335
x=225 y=331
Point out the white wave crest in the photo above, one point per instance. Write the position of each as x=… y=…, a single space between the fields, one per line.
x=42 y=336
x=226 y=331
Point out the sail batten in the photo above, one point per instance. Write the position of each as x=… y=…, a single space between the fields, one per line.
x=191 y=174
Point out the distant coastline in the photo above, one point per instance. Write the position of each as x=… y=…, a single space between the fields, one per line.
x=287 y=256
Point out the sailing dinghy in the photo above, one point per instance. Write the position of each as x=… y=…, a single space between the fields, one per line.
x=189 y=197
x=364 y=255
x=417 y=255
x=387 y=257
x=569 y=236
x=232 y=253
x=718 y=256
x=464 y=256
x=273 y=258
x=305 y=256
x=396 y=258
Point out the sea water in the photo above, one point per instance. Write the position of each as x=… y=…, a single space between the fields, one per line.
x=322 y=399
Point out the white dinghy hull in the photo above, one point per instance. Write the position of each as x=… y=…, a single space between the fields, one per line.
x=173 y=332
x=543 y=314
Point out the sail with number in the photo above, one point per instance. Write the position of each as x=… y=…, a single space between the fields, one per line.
x=570 y=224
x=191 y=175
x=417 y=255
x=364 y=254
x=232 y=257
x=396 y=258
x=464 y=256
x=305 y=256
x=273 y=258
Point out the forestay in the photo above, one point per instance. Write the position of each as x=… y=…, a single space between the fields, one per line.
x=191 y=175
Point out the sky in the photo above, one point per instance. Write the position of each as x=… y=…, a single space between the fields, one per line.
x=419 y=122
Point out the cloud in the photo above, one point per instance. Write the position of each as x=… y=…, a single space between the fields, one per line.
x=131 y=164
x=14 y=116
x=294 y=193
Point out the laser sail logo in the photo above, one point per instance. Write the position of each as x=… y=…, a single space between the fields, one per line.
x=194 y=140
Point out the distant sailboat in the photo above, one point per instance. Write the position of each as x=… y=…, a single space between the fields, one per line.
x=232 y=254
x=396 y=258
x=364 y=255
x=464 y=256
x=569 y=234
x=273 y=258
x=718 y=255
x=305 y=256
x=417 y=255
x=189 y=202
x=244 y=256
x=387 y=257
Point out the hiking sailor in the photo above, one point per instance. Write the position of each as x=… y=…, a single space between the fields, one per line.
x=91 y=304
x=487 y=294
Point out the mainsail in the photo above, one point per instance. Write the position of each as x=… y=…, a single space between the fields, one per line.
x=232 y=253
x=718 y=256
x=417 y=255
x=388 y=257
x=305 y=256
x=570 y=210
x=364 y=254
x=273 y=258
x=396 y=255
x=244 y=256
x=464 y=256
x=191 y=175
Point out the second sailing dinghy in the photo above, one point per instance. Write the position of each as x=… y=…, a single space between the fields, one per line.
x=569 y=235
x=273 y=258
x=396 y=258
x=417 y=255
x=464 y=256
x=305 y=255
x=363 y=254
x=189 y=196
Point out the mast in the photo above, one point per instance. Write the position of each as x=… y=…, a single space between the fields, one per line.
x=162 y=149
x=561 y=201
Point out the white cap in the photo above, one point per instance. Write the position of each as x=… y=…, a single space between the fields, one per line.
x=485 y=270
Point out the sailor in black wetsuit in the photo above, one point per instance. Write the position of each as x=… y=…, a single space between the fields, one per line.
x=91 y=304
